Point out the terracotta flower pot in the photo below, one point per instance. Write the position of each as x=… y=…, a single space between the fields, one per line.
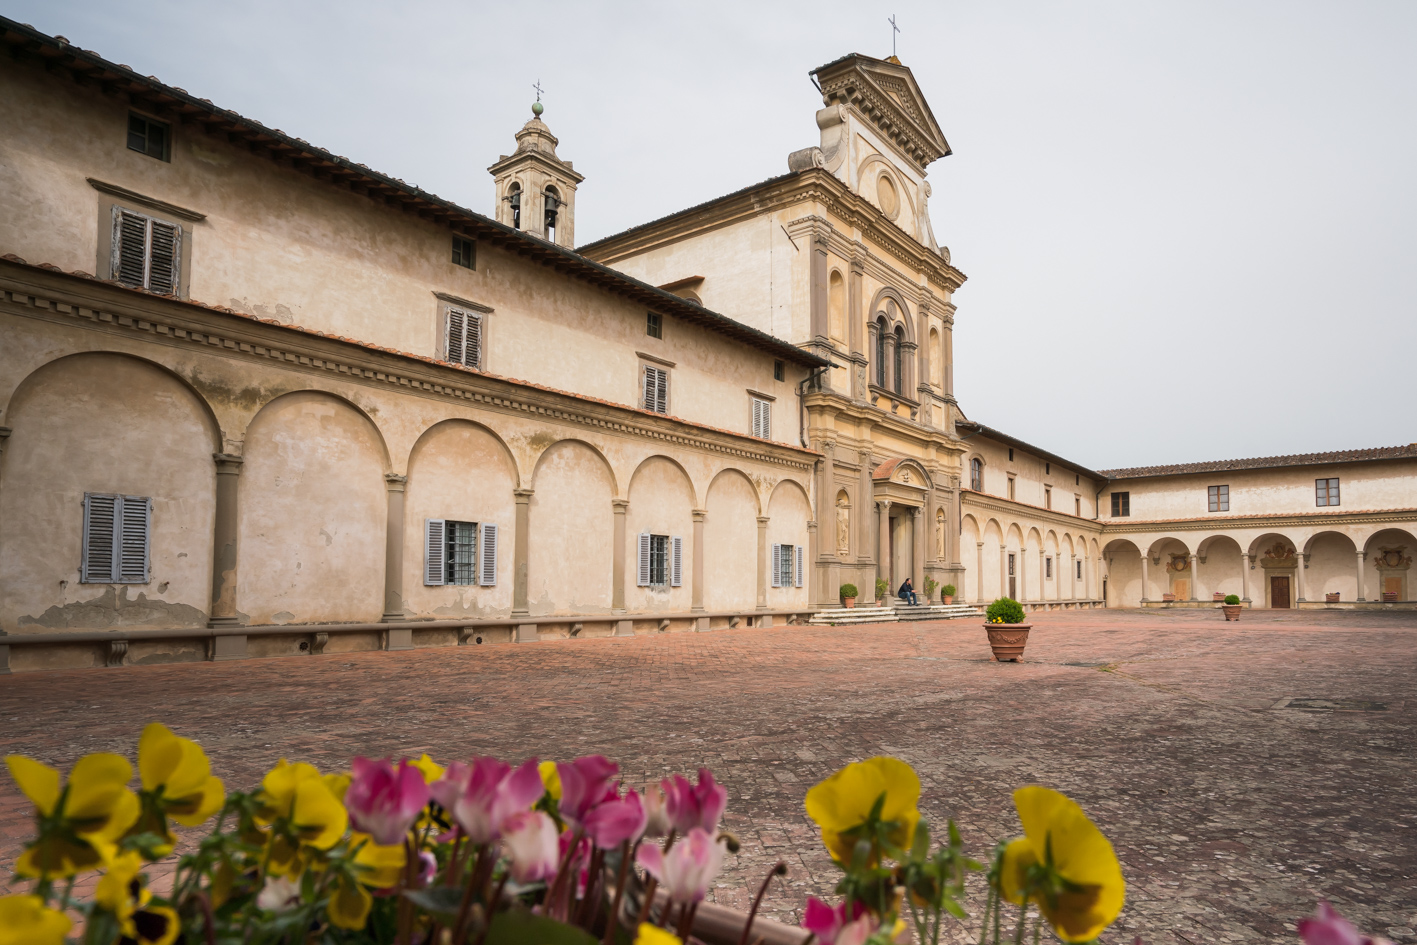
x=1331 y=598
x=1217 y=597
x=947 y=598
x=1232 y=611
x=1389 y=597
x=1007 y=640
x=1168 y=598
x=849 y=601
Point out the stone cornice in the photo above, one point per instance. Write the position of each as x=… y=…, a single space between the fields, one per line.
x=820 y=404
x=1018 y=509
x=52 y=295
x=1213 y=523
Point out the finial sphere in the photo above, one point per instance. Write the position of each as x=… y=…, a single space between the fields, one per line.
x=537 y=108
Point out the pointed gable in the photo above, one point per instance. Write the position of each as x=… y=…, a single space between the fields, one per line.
x=885 y=92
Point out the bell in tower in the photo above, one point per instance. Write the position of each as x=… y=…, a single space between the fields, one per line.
x=536 y=190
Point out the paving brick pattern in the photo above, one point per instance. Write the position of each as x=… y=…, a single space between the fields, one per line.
x=1231 y=815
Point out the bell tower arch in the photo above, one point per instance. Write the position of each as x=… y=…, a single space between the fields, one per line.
x=535 y=189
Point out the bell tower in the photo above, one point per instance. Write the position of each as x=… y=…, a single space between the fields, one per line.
x=536 y=190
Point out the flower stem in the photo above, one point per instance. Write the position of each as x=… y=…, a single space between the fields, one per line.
x=779 y=870
x=614 y=918
x=648 y=902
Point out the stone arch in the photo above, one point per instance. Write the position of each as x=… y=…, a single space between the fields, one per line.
x=733 y=471
x=512 y=465
x=1389 y=554
x=731 y=541
x=571 y=519
x=976 y=484
x=900 y=317
x=941 y=541
x=313 y=512
x=1159 y=546
x=836 y=305
x=655 y=458
x=1330 y=565
x=662 y=498
x=1266 y=542
x=903 y=214
x=108 y=423
x=789 y=510
x=972 y=556
x=1123 y=574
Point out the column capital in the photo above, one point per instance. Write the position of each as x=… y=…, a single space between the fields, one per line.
x=620 y=505
x=523 y=496
x=884 y=504
x=699 y=514
x=227 y=464
x=811 y=526
x=763 y=521
x=394 y=482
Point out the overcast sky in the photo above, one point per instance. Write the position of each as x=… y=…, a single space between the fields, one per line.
x=1189 y=228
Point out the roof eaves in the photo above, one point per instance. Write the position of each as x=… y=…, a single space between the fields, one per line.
x=1014 y=441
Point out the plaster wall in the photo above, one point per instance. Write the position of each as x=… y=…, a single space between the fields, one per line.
x=1031 y=475
x=573 y=521
x=731 y=543
x=661 y=503
x=788 y=514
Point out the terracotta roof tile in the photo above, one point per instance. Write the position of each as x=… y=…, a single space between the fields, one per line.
x=1267 y=462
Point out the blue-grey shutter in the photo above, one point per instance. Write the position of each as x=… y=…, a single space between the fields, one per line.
x=100 y=538
x=435 y=566
x=777 y=566
x=797 y=572
x=642 y=574
x=135 y=519
x=677 y=562
x=487 y=567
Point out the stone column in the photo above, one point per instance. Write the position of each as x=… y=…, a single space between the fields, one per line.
x=393 y=549
x=923 y=524
x=817 y=288
x=1302 y=563
x=521 y=547
x=856 y=331
x=1043 y=576
x=949 y=352
x=617 y=557
x=763 y=562
x=223 y=610
x=1195 y=577
x=1022 y=575
x=978 y=573
x=1362 y=576
x=809 y=571
x=1244 y=577
x=1145 y=580
x=1003 y=573
x=863 y=504
x=883 y=554
x=697 y=593
x=1072 y=580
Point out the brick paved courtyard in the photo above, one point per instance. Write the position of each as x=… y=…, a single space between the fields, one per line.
x=1231 y=810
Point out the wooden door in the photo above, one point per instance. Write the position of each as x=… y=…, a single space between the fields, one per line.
x=1392 y=584
x=1279 y=592
x=1013 y=587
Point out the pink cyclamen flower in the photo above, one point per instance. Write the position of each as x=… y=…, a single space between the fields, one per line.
x=615 y=821
x=694 y=805
x=531 y=841
x=482 y=795
x=585 y=783
x=688 y=869
x=1330 y=928
x=656 y=813
x=384 y=801
x=826 y=922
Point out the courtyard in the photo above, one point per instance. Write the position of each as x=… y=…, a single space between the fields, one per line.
x=1242 y=771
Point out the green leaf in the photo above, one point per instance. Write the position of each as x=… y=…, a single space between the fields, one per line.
x=520 y=927
x=441 y=902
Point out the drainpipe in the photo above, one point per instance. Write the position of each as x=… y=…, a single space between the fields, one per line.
x=802 y=402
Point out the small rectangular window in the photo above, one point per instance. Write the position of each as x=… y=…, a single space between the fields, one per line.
x=1011 y=455
x=463 y=338
x=659 y=560
x=1218 y=498
x=1048 y=568
x=147 y=252
x=1011 y=488
x=1077 y=506
x=1047 y=498
x=779 y=371
x=1121 y=504
x=150 y=137
x=1079 y=570
x=762 y=419
x=1011 y=565
x=656 y=389
x=1047 y=468
x=654 y=325
x=451 y=552
x=1325 y=492
x=115 y=543
x=464 y=252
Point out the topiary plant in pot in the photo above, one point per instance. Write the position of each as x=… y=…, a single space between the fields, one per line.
x=1231 y=607
x=947 y=593
x=881 y=588
x=1008 y=634
x=848 y=595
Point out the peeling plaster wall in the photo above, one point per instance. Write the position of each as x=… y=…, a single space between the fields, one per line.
x=571 y=562
x=109 y=424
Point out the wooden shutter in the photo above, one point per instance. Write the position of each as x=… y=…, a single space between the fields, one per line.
x=676 y=562
x=797 y=572
x=130 y=248
x=100 y=538
x=473 y=352
x=777 y=566
x=487 y=567
x=164 y=257
x=656 y=389
x=135 y=519
x=456 y=335
x=642 y=574
x=435 y=558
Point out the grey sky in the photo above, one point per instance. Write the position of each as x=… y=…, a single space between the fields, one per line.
x=1189 y=227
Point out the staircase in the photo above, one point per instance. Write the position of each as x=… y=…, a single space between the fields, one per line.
x=935 y=611
x=843 y=616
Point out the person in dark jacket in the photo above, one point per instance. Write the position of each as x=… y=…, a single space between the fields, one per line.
x=907 y=592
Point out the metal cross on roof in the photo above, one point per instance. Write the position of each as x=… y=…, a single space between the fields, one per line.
x=894 y=30
x=537 y=85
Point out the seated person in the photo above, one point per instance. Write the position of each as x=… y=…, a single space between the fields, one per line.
x=907 y=592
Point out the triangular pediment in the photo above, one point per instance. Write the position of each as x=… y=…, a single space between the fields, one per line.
x=886 y=93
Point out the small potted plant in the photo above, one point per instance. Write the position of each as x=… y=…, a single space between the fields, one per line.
x=881 y=588
x=1330 y=598
x=1231 y=607
x=1218 y=597
x=930 y=585
x=1008 y=634
x=848 y=595
x=1168 y=598
x=947 y=593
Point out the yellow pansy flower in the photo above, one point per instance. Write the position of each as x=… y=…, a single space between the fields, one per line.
x=375 y=867
x=844 y=801
x=25 y=920
x=550 y=779
x=427 y=767
x=81 y=822
x=654 y=935
x=177 y=782
x=120 y=892
x=1064 y=864
x=297 y=794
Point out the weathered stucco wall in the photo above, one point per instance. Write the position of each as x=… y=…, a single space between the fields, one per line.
x=572 y=557
x=731 y=542
x=661 y=503
x=788 y=514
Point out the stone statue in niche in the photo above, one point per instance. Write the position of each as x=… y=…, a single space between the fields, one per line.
x=940 y=534
x=843 y=526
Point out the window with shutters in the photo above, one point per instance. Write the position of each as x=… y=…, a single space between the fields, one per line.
x=762 y=418
x=147 y=252
x=116 y=536
x=787 y=562
x=464 y=252
x=1325 y=492
x=1121 y=504
x=659 y=559
x=462 y=337
x=976 y=474
x=1218 y=498
x=150 y=137
x=655 y=384
x=459 y=553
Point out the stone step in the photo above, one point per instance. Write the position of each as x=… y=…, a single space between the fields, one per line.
x=848 y=615
x=936 y=612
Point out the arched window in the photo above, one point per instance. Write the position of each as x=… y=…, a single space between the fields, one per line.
x=514 y=198
x=976 y=474
x=880 y=352
x=899 y=365
x=553 y=205
x=836 y=306
x=935 y=377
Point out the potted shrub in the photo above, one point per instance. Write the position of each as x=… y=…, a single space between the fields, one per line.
x=1331 y=598
x=1231 y=607
x=1217 y=597
x=947 y=593
x=930 y=585
x=848 y=595
x=1008 y=634
x=881 y=589
x=1168 y=598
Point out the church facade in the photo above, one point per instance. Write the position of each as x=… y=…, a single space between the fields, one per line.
x=259 y=399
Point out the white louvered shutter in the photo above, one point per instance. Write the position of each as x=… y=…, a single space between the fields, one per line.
x=135 y=519
x=797 y=571
x=487 y=567
x=677 y=562
x=642 y=572
x=435 y=566
x=777 y=566
x=456 y=336
x=164 y=257
x=100 y=538
x=762 y=419
x=130 y=248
